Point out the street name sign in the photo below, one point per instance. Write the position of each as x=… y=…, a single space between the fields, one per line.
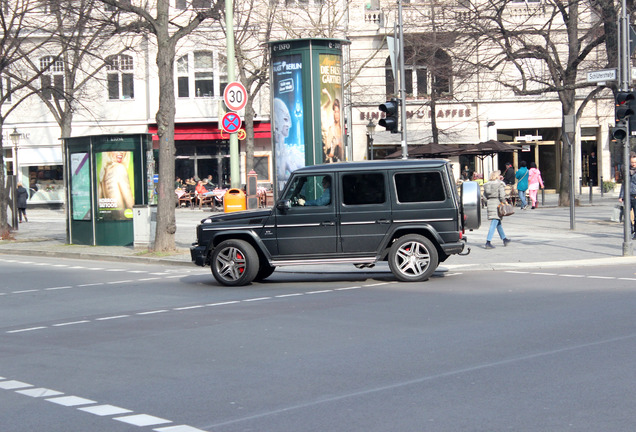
x=602 y=75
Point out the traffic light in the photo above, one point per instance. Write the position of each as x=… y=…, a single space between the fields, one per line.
x=624 y=112
x=390 y=121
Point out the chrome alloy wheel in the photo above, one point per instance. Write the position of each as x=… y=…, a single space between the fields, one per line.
x=413 y=258
x=234 y=263
x=230 y=263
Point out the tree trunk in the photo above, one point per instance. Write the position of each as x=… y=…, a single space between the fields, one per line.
x=249 y=140
x=166 y=222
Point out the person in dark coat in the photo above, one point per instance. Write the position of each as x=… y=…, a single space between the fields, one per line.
x=509 y=174
x=22 y=195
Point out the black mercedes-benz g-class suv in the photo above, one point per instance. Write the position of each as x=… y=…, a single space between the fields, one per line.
x=408 y=212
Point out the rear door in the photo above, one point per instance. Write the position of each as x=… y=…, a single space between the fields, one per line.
x=365 y=211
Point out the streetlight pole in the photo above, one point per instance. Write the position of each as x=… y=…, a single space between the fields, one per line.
x=370 y=132
x=624 y=81
x=15 y=140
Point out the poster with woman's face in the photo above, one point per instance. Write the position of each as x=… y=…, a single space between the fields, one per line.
x=288 y=117
x=115 y=185
x=331 y=115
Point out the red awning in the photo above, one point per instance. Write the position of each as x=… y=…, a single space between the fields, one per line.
x=208 y=131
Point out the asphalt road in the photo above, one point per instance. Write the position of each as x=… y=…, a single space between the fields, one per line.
x=99 y=346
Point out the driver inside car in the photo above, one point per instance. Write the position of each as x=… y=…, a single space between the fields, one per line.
x=324 y=199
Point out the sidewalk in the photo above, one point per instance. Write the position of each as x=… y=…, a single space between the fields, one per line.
x=541 y=238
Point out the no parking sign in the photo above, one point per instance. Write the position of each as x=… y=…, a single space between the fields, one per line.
x=231 y=122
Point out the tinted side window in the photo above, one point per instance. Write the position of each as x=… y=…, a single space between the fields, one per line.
x=419 y=187
x=363 y=188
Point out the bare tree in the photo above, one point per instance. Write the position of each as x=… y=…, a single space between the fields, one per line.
x=168 y=26
x=80 y=31
x=20 y=38
x=254 y=25
x=538 y=51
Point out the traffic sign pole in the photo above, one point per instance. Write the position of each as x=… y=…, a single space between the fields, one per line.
x=235 y=167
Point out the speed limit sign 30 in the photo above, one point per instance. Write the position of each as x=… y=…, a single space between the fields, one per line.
x=235 y=96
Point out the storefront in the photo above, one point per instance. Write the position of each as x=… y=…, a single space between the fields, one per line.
x=203 y=150
x=39 y=167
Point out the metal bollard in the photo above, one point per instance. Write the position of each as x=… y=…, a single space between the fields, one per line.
x=602 y=186
x=589 y=184
x=542 y=197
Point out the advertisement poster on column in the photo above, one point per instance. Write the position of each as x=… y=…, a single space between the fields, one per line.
x=115 y=185
x=331 y=116
x=80 y=187
x=288 y=118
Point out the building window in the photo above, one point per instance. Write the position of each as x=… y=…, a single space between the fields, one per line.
x=203 y=74
x=49 y=7
x=183 y=77
x=424 y=72
x=120 y=77
x=201 y=4
x=198 y=75
x=52 y=78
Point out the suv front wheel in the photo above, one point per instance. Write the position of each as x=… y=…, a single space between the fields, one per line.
x=234 y=263
x=413 y=258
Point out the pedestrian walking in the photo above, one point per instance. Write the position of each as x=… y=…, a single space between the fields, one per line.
x=632 y=189
x=522 y=184
x=21 y=196
x=535 y=181
x=495 y=193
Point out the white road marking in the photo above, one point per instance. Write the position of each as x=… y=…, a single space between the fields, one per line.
x=188 y=307
x=13 y=385
x=289 y=295
x=223 y=303
x=112 y=317
x=24 y=291
x=93 y=407
x=319 y=292
x=152 y=312
x=257 y=299
x=142 y=420
x=39 y=392
x=71 y=323
x=26 y=329
x=70 y=401
x=180 y=428
x=58 y=288
x=105 y=410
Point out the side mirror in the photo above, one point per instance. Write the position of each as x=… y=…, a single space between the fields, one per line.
x=283 y=206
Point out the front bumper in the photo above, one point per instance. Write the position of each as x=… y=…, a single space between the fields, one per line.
x=198 y=254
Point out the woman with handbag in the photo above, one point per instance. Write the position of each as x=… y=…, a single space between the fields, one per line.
x=495 y=193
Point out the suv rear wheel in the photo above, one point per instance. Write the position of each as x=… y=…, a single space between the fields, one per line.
x=413 y=258
x=234 y=263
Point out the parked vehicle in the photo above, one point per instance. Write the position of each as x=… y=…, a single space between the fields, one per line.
x=407 y=212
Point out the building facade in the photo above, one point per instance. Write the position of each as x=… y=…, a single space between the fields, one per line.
x=464 y=106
